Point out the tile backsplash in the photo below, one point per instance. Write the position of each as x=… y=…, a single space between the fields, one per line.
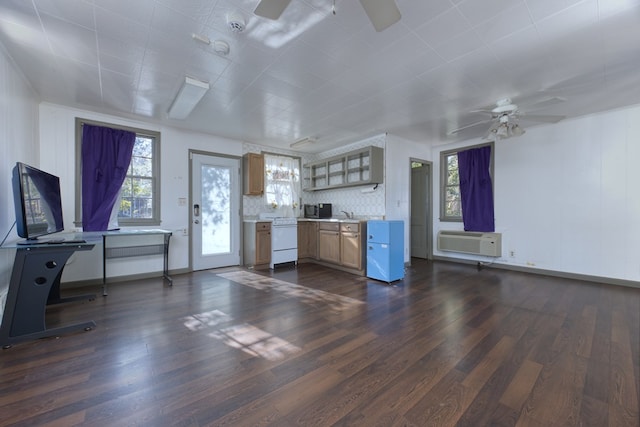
x=363 y=201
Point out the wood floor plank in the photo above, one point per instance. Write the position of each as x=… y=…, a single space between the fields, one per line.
x=521 y=385
x=447 y=345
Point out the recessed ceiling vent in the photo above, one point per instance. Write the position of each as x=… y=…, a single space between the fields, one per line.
x=236 y=22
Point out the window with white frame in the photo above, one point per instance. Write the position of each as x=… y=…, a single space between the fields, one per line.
x=282 y=183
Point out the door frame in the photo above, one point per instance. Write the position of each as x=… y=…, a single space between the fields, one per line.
x=190 y=154
x=428 y=197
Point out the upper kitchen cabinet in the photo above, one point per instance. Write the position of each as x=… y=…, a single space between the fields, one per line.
x=253 y=166
x=358 y=167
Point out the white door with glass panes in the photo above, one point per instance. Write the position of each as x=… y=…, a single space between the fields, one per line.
x=215 y=211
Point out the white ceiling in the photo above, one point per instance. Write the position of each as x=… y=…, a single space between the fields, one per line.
x=330 y=77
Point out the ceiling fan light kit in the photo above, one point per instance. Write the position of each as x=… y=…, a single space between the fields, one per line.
x=504 y=129
x=504 y=120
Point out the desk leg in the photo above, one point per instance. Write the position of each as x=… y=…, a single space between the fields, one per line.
x=34 y=273
x=55 y=298
x=166 y=259
x=104 y=265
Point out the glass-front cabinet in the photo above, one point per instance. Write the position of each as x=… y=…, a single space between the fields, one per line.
x=359 y=167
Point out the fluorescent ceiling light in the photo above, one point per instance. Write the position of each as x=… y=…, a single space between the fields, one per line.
x=188 y=96
x=301 y=142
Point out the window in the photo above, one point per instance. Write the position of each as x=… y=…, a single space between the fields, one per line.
x=282 y=183
x=140 y=193
x=450 y=201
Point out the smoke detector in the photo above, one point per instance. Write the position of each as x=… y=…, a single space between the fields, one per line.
x=236 y=22
x=221 y=47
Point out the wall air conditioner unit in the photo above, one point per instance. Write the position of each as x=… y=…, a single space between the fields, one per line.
x=470 y=242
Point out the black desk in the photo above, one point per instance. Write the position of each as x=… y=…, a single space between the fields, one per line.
x=37 y=270
x=35 y=282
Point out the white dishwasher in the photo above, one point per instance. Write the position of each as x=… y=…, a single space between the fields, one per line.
x=284 y=240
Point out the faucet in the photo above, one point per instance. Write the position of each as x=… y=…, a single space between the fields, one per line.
x=349 y=215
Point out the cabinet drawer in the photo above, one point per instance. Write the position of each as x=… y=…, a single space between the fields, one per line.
x=329 y=226
x=263 y=226
x=350 y=227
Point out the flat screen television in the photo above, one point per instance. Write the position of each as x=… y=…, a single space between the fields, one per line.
x=36 y=196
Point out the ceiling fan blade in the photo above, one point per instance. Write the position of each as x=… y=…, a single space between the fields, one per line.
x=271 y=9
x=541 y=118
x=543 y=103
x=382 y=13
x=470 y=125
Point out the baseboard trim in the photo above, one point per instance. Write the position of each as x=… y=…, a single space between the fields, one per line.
x=544 y=272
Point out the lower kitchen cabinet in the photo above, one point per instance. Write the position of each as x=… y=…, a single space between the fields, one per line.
x=257 y=244
x=351 y=247
x=341 y=245
x=307 y=239
x=329 y=242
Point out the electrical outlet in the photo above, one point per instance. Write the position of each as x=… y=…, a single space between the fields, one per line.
x=512 y=253
x=185 y=232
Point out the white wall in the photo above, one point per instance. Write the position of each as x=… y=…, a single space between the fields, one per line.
x=57 y=145
x=566 y=196
x=18 y=142
x=398 y=182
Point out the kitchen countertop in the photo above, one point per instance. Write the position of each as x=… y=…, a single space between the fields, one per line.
x=335 y=219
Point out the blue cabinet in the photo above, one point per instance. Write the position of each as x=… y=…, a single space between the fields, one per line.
x=385 y=250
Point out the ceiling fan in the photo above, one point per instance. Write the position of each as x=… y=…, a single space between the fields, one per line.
x=382 y=13
x=505 y=117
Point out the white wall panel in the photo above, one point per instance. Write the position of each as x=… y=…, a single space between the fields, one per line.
x=18 y=142
x=566 y=196
x=398 y=156
x=57 y=142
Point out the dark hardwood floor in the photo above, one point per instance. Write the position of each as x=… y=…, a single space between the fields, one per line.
x=448 y=345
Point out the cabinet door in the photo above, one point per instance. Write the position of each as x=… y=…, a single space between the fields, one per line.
x=329 y=246
x=253 y=164
x=263 y=246
x=350 y=250
x=307 y=240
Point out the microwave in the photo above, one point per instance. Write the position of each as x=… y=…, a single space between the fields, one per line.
x=320 y=210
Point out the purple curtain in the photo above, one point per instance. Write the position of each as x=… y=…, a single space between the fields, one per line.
x=106 y=154
x=476 y=192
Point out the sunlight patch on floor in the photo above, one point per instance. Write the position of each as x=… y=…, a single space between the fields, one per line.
x=306 y=295
x=255 y=342
x=243 y=336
